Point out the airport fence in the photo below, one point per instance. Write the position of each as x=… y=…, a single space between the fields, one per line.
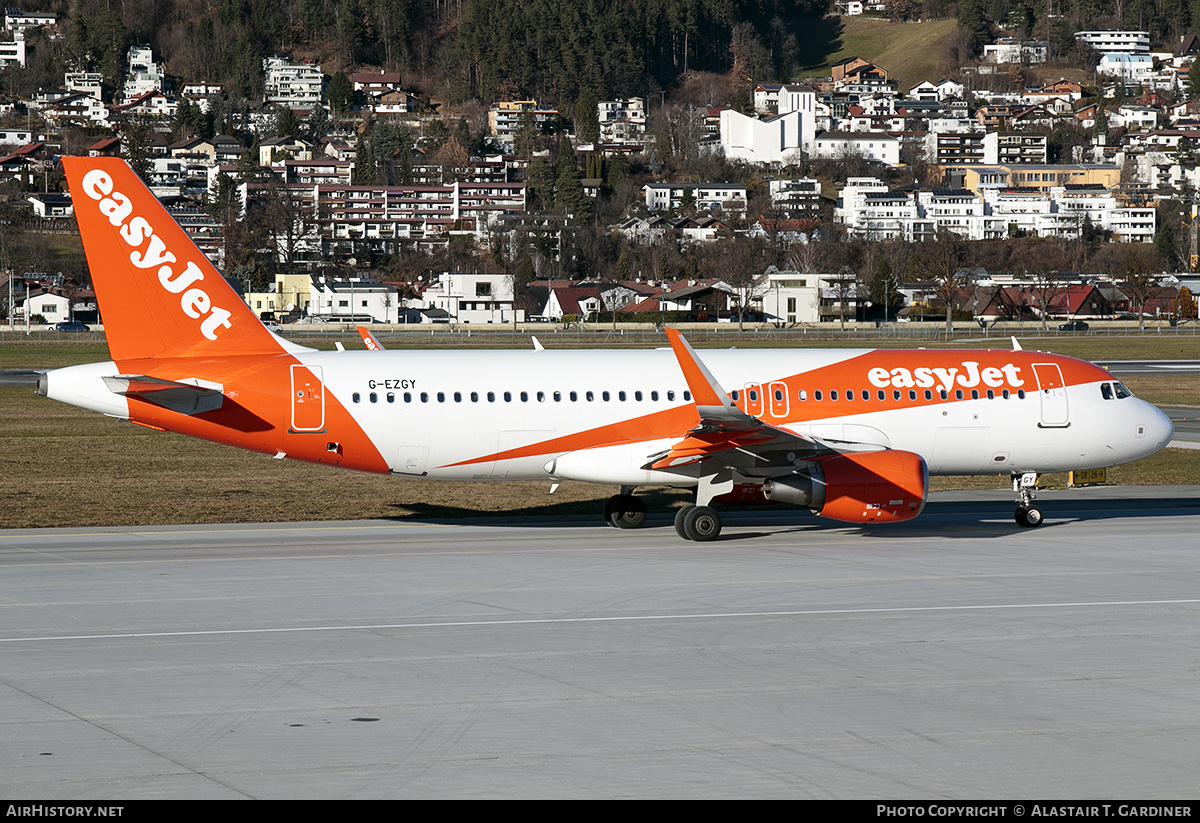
x=552 y=335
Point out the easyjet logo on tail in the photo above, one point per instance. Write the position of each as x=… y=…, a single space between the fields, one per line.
x=136 y=231
x=968 y=376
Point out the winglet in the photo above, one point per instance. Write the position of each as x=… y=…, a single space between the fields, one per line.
x=712 y=401
x=369 y=339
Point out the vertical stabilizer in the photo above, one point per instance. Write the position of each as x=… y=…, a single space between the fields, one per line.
x=158 y=295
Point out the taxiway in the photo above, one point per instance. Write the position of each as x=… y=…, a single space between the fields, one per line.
x=955 y=657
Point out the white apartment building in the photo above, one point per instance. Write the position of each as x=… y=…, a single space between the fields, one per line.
x=476 y=298
x=1106 y=42
x=144 y=76
x=793 y=297
x=295 y=85
x=867 y=209
x=1011 y=50
x=353 y=300
x=622 y=121
x=12 y=52
x=1132 y=68
x=17 y=20
x=504 y=118
x=707 y=196
x=88 y=82
x=874 y=146
x=799 y=197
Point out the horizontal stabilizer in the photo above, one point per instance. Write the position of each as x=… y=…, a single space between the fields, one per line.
x=185 y=398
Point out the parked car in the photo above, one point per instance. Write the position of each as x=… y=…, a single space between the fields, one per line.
x=1073 y=325
x=71 y=325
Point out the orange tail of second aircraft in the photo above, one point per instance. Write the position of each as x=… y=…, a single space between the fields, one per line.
x=161 y=297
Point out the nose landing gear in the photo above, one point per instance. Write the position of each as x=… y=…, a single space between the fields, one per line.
x=1027 y=515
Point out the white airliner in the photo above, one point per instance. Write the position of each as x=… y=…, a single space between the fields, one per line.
x=851 y=434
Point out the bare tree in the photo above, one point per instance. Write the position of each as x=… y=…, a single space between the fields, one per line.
x=942 y=266
x=1136 y=269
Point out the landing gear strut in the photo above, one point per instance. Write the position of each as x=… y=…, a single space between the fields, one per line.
x=1027 y=515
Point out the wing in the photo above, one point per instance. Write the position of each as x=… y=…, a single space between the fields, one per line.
x=726 y=436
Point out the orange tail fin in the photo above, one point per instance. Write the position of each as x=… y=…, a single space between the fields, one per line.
x=158 y=294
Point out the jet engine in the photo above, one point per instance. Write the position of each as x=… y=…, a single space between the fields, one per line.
x=866 y=487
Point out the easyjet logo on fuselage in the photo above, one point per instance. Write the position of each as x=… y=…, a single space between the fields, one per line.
x=967 y=374
x=136 y=231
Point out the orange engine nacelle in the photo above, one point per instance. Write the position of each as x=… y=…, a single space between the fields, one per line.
x=870 y=487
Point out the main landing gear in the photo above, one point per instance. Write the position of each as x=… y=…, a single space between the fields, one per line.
x=1027 y=515
x=624 y=511
x=699 y=523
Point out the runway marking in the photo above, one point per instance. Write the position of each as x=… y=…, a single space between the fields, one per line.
x=540 y=621
x=216 y=528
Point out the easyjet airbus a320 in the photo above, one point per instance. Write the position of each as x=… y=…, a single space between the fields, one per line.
x=851 y=435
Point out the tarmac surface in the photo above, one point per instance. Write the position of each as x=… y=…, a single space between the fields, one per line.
x=956 y=656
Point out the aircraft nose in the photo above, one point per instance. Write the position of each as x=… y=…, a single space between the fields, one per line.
x=1162 y=428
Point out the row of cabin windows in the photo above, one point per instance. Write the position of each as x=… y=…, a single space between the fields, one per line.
x=802 y=394
x=541 y=396
x=751 y=394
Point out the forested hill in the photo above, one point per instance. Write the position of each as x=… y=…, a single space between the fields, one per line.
x=554 y=50
x=558 y=49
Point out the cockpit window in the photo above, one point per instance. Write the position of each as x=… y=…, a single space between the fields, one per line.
x=1106 y=391
x=1122 y=392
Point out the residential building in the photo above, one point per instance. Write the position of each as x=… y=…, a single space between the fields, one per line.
x=295 y=85
x=505 y=118
x=1012 y=50
x=714 y=197
x=475 y=297
x=1107 y=42
x=872 y=146
x=12 y=50
x=798 y=198
x=145 y=76
x=622 y=121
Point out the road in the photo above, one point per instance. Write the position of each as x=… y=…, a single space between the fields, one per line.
x=952 y=657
